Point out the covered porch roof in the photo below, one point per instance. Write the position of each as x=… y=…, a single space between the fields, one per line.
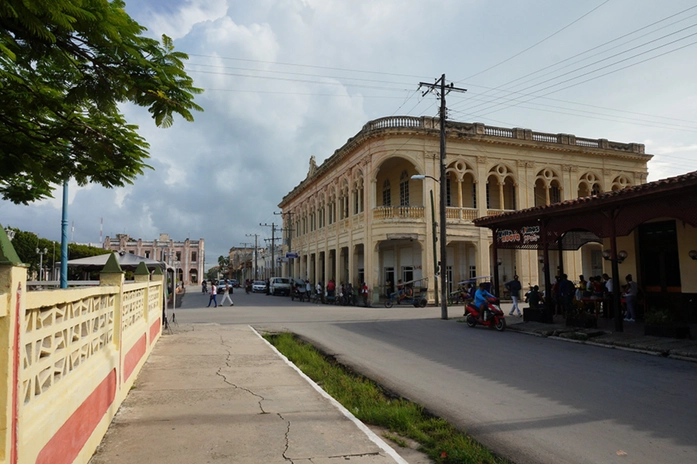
x=569 y=224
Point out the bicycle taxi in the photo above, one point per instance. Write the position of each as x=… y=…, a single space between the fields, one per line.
x=412 y=292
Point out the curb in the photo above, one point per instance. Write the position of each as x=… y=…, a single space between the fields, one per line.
x=660 y=354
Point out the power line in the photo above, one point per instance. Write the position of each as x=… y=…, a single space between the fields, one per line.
x=601 y=75
x=600 y=61
x=604 y=44
x=533 y=45
x=305 y=65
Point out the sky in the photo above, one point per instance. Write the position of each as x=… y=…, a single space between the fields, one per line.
x=288 y=79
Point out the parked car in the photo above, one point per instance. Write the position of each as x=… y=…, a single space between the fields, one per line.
x=221 y=286
x=235 y=283
x=279 y=286
x=259 y=286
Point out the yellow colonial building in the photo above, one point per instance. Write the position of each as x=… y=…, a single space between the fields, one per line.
x=360 y=216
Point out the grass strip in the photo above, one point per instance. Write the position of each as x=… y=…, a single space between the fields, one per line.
x=442 y=442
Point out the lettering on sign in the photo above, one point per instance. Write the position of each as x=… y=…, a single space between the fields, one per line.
x=526 y=235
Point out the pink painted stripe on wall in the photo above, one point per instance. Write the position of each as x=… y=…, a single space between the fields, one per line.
x=155 y=329
x=67 y=443
x=133 y=357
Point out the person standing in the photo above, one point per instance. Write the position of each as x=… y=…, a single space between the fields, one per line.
x=226 y=294
x=514 y=288
x=212 y=295
x=364 y=293
x=631 y=297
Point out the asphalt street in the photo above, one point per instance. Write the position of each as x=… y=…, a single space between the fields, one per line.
x=530 y=399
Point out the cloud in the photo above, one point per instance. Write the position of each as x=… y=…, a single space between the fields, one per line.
x=288 y=79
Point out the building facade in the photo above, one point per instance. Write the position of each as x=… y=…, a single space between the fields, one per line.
x=361 y=217
x=189 y=255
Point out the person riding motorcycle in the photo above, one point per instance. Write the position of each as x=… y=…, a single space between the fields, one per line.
x=481 y=300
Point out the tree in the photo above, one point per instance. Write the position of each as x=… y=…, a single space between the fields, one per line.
x=65 y=65
x=224 y=265
x=26 y=243
x=212 y=274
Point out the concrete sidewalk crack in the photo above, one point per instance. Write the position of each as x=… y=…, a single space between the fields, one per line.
x=227 y=363
x=287 y=434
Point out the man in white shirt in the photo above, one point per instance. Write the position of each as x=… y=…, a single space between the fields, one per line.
x=226 y=294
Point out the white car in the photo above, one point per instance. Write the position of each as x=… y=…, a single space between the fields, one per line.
x=259 y=286
x=279 y=286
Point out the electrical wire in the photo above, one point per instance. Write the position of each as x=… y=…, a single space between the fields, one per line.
x=554 y=65
x=533 y=45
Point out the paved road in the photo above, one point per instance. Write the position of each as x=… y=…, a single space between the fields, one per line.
x=530 y=399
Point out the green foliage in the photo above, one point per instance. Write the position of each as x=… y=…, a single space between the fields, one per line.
x=224 y=266
x=658 y=316
x=65 y=66
x=212 y=274
x=369 y=403
x=26 y=243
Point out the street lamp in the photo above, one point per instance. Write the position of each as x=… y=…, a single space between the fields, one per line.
x=41 y=254
x=443 y=251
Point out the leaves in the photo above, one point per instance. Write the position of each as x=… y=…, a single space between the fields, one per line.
x=65 y=65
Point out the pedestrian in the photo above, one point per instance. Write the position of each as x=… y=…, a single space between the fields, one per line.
x=534 y=298
x=226 y=294
x=581 y=287
x=514 y=288
x=567 y=291
x=319 y=288
x=203 y=287
x=364 y=293
x=308 y=289
x=212 y=296
x=630 y=297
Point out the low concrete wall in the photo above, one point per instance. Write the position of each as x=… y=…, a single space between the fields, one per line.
x=68 y=360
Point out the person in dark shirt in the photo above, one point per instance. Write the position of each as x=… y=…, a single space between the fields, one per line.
x=514 y=288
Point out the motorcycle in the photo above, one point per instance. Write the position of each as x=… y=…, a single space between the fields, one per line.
x=248 y=288
x=493 y=316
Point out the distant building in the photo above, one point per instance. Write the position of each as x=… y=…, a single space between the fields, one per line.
x=189 y=254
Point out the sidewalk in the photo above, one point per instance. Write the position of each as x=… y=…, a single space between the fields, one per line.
x=632 y=338
x=212 y=393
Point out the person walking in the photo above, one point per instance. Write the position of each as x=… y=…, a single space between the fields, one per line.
x=514 y=288
x=630 y=297
x=212 y=296
x=226 y=294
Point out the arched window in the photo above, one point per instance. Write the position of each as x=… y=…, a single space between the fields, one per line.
x=386 y=193
x=404 y=189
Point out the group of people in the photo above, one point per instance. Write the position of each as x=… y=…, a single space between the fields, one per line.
x=333 y=292
x=213 y=293
x=565 y=292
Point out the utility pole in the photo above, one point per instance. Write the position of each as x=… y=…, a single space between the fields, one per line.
x=273 y=241
x=256 y=252
x=246 y=246
x=441 y=90
x=273 y=238
x=289 y=229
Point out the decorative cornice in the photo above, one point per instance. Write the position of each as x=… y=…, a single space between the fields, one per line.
x=472 y=133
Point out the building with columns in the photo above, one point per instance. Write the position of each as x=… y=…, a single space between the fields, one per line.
x=360 y=216
x=188 y=255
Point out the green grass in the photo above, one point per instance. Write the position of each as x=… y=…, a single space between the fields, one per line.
x=442 y=442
